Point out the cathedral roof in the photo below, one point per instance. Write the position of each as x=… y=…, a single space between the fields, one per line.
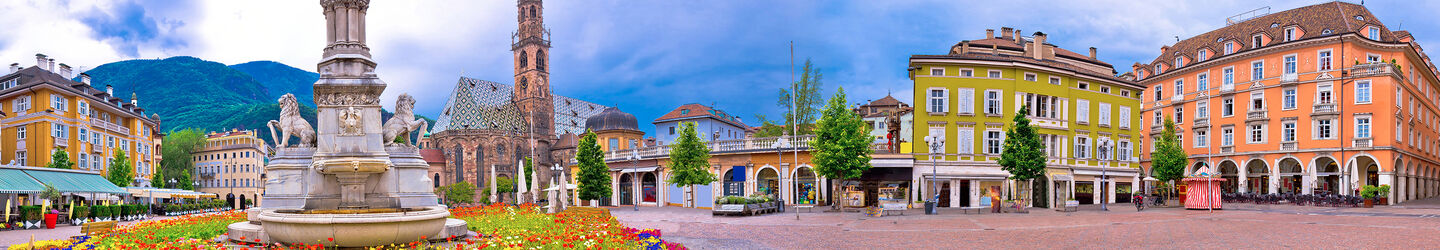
x=481 y=104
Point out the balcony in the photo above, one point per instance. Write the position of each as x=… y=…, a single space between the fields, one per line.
x=1375 y=69
x=749 y=145
x=1361 y=143
x=1288 y=146
x=61 y=142
x=1256 y=115
x=1051 y=123
x=1202 y=122
x=1289 y=78
x=1324 y=108
x=101 y=124
x=1227 y=88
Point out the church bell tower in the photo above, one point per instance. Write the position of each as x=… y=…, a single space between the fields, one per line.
x=531 y=46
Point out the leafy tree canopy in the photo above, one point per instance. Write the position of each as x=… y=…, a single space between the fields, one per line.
x=594 y=176
x=61 y=160
x=1024 y=155
x=1169 y=159
x=689 y=159
x=842 y=141
x=121 y=173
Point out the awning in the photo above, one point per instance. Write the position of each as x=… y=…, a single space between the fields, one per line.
x=634 y=170
x=68 y=182
x=165 y=193
x=14 y=181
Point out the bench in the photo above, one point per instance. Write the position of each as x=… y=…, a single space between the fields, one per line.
x=95 y=228
x=808 y=208
x=977 y=209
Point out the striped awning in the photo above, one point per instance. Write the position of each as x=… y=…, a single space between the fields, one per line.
x=13 y=181
x=71 y=182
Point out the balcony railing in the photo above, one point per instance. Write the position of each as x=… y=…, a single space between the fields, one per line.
x=1287 y=146
x=1288 y=78
x=97 y=123
x=1256 y=115
x=1324 y=107
x=718 y=147
x=1375 y=68
x=62 y=142
x=1362 y=143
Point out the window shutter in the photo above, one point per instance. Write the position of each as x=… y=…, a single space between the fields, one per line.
x=1019 y=101
x=946 y=94
x=1082 y=111
x=967 y=101
x=1124 y=117
x=966 y=141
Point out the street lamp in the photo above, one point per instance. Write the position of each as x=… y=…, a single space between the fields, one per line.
x=1104 y=179
x=634 y=158
x=937 y=144
x=780 y=145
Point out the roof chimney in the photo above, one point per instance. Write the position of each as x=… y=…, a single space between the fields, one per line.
x=110 y=90
x=1006 y=32
x=14 y=67
x=1037 y=49
x=40 y=61
x=1018 y=39
x=1092 y=53
x=965 y=46
x=52 y=65
x=65 y=71
x=989 y=33
x=85 y=78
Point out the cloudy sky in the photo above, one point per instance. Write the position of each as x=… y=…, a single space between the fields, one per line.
x=646 y=56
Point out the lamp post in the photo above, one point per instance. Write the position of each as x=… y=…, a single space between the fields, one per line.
x=937 y=143
x=1104 y=178
x=634 y=158
x=780 y=145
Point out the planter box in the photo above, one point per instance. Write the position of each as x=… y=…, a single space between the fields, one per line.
x=728 y=209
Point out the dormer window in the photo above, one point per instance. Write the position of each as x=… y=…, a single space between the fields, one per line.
x=1229 y=48
x=1157 y=69
x=1289 y=34
x=1273 y=25
x=1201 y=55
x=1327 y=32
x=1359 y=17
x=1179 y=62
x=1374 y=33
x=1255 y=41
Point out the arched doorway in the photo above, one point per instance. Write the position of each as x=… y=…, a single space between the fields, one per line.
x=1360 y=173
x=734 y=182
x=1372 y=175
x=627 y=196
x=1195 y=169
x=805 y=186
x=230 y=200
x=1231 y=173
x=769 y=182
x=1257 y=175
x=1327 y=175
x=647 y=187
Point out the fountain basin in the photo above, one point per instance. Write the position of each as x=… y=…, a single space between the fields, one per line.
x=352 y=166
x=353 y=229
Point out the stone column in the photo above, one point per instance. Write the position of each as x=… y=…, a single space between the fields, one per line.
x=493 y=197
x=1385 y=179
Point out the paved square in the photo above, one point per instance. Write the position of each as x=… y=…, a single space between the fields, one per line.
x=1241 y=226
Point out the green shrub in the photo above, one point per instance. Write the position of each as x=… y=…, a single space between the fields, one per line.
x=126 y=210
x=100 y=211
x=115 y=210
x=80 y=212
x=30 y=213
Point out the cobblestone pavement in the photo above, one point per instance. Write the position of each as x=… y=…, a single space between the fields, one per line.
x=1240 y=226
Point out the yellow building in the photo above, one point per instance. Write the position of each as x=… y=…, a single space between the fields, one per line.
x=232 y=164
x=44 y=111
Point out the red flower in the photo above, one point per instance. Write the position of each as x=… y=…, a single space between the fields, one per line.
x=330 y=239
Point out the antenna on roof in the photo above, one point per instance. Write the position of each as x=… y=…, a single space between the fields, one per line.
x=1177 y=39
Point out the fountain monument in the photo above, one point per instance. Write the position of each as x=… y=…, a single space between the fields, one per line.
x=347 y=179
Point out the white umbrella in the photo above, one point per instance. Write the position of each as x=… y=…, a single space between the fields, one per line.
x=557 y=187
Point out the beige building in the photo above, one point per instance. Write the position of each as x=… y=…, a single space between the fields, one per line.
x=232 y=164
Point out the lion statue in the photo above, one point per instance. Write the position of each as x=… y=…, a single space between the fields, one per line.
x=404 y=122
x=291 y=124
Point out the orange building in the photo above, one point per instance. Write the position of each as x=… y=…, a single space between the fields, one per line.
x=1322 y=98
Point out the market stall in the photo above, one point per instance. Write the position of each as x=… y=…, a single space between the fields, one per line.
x=1203 y=190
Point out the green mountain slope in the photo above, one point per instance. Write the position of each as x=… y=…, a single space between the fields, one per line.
x=280 y=79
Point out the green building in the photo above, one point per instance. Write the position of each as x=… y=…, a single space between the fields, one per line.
x=1087 y=116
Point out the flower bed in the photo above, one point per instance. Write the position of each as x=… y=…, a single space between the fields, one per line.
x=500 y=227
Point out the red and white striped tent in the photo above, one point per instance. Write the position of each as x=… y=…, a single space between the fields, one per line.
x=1203 y=190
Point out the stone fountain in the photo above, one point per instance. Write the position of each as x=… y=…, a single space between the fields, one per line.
x=347 y=179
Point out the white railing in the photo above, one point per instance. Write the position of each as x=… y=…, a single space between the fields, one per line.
x=1375 y=68
x=1255 y=114
x=109 y=126
x=719 y=147
x=1324 y=107
x=62 y=142
x=1227 y=87
x=1291 y=77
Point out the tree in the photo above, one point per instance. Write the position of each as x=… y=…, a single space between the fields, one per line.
x=176 y=154
x=1169 y=159
x=1024 y=156
x=158 y=180
x=120 y=170
x=460 y=192
x=594 y=174
x=529 y=173
x=689 y=161
x=505 y=184
x=60 y=159
x=51 y=194
x=806 y=100
x=842 y=142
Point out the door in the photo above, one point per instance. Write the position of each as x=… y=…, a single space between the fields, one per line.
x=944 y=194
x=1085 y=192
x=965 y=193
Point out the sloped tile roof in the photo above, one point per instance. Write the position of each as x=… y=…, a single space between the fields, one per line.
x=1313 y=21
x=693 y=110
x=480 y=104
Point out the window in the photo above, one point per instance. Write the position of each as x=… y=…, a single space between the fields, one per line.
x=59 y=131
x=1324 y=95
x=1179 y=114
x=1287 y=131
x=1362 y=127
x=1362 y=92
x=937 y=71
x=1104 y=89
x=672 y=130
x=992 y=102
x=1229 y=48
x=1229 y=78
x=1324 y=60
x=1227 y=136
x=1055 y=80
x=1082 y=111
x=1227 y=106
x=1257 y=133
x=1255 y=41
x=1179 y=62
x=966 y=101
x=1159 y=118
x=1257 y=100
x=1124 y=117
x=1202 y=82
x=1200 y=55
x=937 y=130
x=1257 y=70
x=966 y=140
x=939 y=100
x=1202 y=109
x=20 y=132
x=1290 y=67
x=1289 y=34
x=20 y=158
x=995 y=74
x=1288 y=98
x=1124 y=154
x=1179 y=87
x=21 y=104
x=967 y=72
x=1372 y=58
x=1104 y=114
x=1324 y=129
x=1157 y=69
x=1374 y=33
x=1031 y=77
x=1201 y=138
x=1082 y=147
x=1398 y=128
x=84 y=161
x=1158 y=90
x=993 y=142
x=58 y=102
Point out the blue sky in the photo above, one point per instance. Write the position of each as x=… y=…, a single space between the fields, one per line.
x=646 y=56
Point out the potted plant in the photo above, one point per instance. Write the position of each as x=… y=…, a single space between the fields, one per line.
x=1368 y=192
x=1382 y=195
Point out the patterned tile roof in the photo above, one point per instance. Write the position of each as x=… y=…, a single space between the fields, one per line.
x=480 y=104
